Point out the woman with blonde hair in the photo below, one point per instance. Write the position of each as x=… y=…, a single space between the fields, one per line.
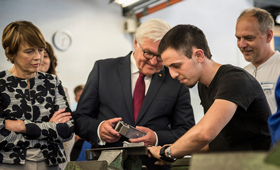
x=35 y=117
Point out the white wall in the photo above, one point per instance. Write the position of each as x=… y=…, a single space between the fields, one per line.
x=97 y=31
x=96 y=27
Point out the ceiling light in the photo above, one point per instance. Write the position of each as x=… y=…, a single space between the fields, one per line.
x=277 y=20
x=125 y=3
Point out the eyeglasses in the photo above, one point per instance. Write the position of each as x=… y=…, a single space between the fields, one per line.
x=150 y=55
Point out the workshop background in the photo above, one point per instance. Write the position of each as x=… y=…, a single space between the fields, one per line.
x=99 y=29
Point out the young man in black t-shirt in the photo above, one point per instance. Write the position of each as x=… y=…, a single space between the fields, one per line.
x=236 y=110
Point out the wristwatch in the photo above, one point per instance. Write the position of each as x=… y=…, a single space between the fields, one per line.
x=168 y=152
x=167 y=158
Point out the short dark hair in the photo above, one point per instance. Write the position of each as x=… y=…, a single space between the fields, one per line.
x=183 y=38
x=265 y=19
x=78 y=88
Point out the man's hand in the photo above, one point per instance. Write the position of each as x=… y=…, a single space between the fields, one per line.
x=15 y=126
x=153 y=152
x=107 y=132
x=149 y=139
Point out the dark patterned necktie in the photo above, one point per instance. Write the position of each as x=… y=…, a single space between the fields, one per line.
x=139 y=95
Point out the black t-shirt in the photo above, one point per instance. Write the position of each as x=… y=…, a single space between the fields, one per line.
x=248 y=128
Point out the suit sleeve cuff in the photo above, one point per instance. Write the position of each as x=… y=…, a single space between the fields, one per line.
x=100 y=141
x=156 y=144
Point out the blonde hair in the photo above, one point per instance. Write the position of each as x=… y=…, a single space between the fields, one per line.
x=19 y=32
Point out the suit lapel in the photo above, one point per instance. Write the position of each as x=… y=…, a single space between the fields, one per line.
x=125 y=75
x=156 y=82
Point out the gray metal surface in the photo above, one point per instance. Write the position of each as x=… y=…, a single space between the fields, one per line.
x=93 y=154
x=109 y=155
x=231 y=161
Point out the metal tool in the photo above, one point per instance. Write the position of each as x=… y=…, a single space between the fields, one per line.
x=128 y=131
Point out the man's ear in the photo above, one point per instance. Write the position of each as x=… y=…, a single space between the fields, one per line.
x=135 y=43
x=199 y=54
x=269 y=35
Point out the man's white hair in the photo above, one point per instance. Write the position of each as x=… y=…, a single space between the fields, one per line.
x=153 y=29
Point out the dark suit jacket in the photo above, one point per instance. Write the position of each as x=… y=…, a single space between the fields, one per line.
x=107 y=94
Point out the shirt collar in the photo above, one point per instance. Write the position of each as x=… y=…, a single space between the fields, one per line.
x=133 y=66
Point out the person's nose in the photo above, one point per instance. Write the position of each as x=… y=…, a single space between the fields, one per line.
x=154 y=61
x=242 y=43
x=38 y=55
x=173 y=73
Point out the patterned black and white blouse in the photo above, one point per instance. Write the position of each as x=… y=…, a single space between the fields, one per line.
x=35 y=106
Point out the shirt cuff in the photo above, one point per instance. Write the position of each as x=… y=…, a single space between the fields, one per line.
x=100 y=141
x=156 y=144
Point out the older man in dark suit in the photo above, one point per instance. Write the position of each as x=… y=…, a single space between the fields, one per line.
x=112 y=94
